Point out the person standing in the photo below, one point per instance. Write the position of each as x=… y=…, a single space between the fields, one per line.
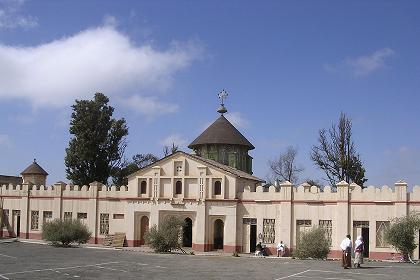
x=280 y=249
x=346 y=252
x=358 y=251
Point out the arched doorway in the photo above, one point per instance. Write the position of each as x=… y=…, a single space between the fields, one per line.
x=144 y=227
x=218 y=234
x=187 y=233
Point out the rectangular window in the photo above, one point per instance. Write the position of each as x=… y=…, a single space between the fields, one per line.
x=155 y=185
x=82 y=216
x=201 y=183
x=34 y=220
x=269 y=232
x=47 y=216
x=118 y=216
x=68 y=216
x=301 y=227
x=381 y=227
x=327 y=225
x=104 y=224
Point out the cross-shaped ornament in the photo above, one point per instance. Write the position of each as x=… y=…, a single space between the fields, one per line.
x=222 y=96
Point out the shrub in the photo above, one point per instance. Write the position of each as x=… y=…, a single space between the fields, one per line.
x=401 y=233
x=313 y=244
x=166 y=237
x=65 y=232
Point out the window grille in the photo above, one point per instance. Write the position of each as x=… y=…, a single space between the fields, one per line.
x=179 y=170
x=361 y=224
x=82 y=216
x=249 y=221
x=201 y=183
x=68 y=215
x=381 y=227
x=327 y=225
x=47 y=216
x=269 y=232
x=34 y=220
x=104 y=224
x=305 y=223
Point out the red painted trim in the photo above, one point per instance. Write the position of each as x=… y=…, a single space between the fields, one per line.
x=73 y=198
x=12 y=196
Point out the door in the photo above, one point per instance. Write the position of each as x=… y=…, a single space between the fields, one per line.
x=218 y=234
x=16 y=223
x=187 y=233
x=365 y=236
x=253 y=238
x=144 y=227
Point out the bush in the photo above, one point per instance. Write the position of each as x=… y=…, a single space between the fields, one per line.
x=166 y=237
x=65 y=232
x=401 y=233
x=313 y=244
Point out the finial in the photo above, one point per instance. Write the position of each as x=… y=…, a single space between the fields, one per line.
x=34 y=160
x=222 y=96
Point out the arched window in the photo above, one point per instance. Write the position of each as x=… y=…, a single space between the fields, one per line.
x=217 y=188
x=143 y=187
x=178 y=187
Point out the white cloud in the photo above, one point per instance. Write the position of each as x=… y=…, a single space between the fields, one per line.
x=11 y=17
x=148 y=106
x=99 y=59
x=365 y=65
x=177 y=139
x=237 y=119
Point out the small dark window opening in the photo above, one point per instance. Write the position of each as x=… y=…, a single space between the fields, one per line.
x=178 y=187
x=217 y=188
x=143 y=186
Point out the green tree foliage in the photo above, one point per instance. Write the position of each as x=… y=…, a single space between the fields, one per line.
x=166 y=237
x=401 y=233
x=98 y=141
x=313 y=244
x=138 y=161
x=336 y=154
x=65 y=232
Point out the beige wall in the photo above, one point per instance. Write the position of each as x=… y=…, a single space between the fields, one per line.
x=240 y=198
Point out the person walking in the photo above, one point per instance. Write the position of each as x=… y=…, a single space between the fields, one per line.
x=346 y=252
x=280 y=249
x=358 y=251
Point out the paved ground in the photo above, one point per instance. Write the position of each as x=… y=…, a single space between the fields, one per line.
x=33 y=261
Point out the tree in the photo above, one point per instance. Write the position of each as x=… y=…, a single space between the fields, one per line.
x=166 y=237
x=65 y=232
x=402 y=233
x=336 y=154
x=139 y=161
x=284 y=167
x=168 y=150
x=98 y=141
x=313 y=244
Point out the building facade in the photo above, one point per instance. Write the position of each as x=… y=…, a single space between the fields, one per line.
x=224 y=206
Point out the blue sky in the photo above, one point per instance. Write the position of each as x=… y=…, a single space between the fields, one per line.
x=290 y=68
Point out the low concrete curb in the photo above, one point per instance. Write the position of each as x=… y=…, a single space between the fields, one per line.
x=8 y=240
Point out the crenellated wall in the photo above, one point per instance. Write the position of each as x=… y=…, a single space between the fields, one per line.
x=241 y=205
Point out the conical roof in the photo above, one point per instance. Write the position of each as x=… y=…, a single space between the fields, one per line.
x=221 y=132
x=34 y=168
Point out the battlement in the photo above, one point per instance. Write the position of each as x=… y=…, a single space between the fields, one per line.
x=93 y=190
x=342 y=192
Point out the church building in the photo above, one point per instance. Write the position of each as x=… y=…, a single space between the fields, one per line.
x=212 y=188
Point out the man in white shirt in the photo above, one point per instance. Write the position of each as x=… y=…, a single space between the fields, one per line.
x=346 y=249
x=280 y=249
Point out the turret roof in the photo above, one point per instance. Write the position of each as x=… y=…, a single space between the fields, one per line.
x=221 y=132
x=34 y=168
